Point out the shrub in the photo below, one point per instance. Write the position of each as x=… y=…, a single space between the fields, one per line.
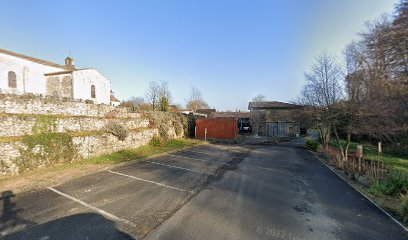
x=117 y=130
x=45 y=148
x=311 y=145
x=404 y=203
x=394 y=183
x=164 y=121
x=156 y=141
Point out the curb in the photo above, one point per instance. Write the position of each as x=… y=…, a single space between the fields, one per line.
x=365 y=196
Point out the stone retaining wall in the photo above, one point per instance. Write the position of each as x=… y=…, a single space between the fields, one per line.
x=19 y=125
x=86 y=146
x=30 y=104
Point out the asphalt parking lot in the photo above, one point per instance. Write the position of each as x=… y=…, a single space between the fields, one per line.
x=125 y=202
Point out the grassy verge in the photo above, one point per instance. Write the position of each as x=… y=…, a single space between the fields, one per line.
x=142 y=152
x=393 y=161
x=391 y=190
x=57 y=174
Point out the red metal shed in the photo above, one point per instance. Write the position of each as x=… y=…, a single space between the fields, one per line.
x=219 y=128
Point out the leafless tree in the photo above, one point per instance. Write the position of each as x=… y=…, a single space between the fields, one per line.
x=195 y=100
x=259 y=98
x=322 y=90
x=156 y=92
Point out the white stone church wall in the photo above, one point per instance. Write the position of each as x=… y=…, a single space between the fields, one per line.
x=30 y=75
x=84 y=79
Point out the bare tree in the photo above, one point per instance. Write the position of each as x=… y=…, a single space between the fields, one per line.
x=259 y=98
x=195 y=100
x=323 y=89
x=156 y=92
x=152 y=94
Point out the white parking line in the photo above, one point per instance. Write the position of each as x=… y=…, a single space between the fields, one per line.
x=144 y=180
x=171 y=166
x=197 y=159
x=109 y=215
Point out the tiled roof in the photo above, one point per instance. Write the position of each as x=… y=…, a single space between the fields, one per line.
x=113 y=99
x=273 y=104
x=230 y=115
x=57 y=73
x=36 y=60
x=206 y=110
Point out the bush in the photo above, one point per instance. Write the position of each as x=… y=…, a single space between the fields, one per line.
x=164 y=121
x=117 y=130
x=156 y=141
x=395 y=182
x=45 y=148
x=311 y=145
x=404 y=203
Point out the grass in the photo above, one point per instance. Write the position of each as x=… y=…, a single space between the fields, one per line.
x=142 y=152
x=393 y=161
x=51 y=175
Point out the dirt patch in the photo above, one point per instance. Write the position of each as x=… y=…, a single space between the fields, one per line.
x=47 y=176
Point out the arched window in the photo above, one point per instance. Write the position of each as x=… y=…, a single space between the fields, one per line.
x=12 y=79
x=93 y=93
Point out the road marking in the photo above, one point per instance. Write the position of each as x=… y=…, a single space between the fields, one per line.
x=197 y=159
x=98 y=210
x=144 y=180
x=172 y=166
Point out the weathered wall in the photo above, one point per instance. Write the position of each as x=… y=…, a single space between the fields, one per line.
x=261 y=117
x=31 y=126
x=86 y=146
x=18 y=125
x=60 y=86
x=30 y=104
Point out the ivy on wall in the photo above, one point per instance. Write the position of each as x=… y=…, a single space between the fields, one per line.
x=45 y=146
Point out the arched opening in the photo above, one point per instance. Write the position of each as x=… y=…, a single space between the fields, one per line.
x=12 y=79
x=93 y=93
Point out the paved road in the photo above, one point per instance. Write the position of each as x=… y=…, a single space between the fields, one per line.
x=208 y=192
x=279 y=192
x=126 y=202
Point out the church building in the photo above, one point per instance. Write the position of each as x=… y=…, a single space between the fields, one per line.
x=21 y=74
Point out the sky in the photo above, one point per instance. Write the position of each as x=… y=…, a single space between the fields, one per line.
x=230 y=50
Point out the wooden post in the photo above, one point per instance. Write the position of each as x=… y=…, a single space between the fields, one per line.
x=379 y=149
x=205 y=134
x=359 y=153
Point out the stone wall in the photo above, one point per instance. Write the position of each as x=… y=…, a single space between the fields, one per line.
x=31 y=104
x=25 y=117
x=260 y=119
x=18 y=125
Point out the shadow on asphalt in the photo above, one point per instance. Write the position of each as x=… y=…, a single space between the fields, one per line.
x=79 y=226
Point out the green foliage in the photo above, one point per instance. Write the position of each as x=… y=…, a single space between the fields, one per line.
x=395 y=183
x=142 y=152
x=404 y=203
x=164 y=104
x=311 y=145
x=45 y=148
x=164 y=121
x=44 y=123
x=117 y=130
x=156 y=141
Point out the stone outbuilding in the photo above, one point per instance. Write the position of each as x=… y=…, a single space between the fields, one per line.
x=274 y=119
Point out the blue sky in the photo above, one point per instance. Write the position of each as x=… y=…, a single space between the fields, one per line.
x=230 y=50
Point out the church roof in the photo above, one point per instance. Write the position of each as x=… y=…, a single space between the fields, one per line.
x=36 y=60
x=113 y=99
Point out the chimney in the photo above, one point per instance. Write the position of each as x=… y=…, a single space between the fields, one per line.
x=69 y=62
